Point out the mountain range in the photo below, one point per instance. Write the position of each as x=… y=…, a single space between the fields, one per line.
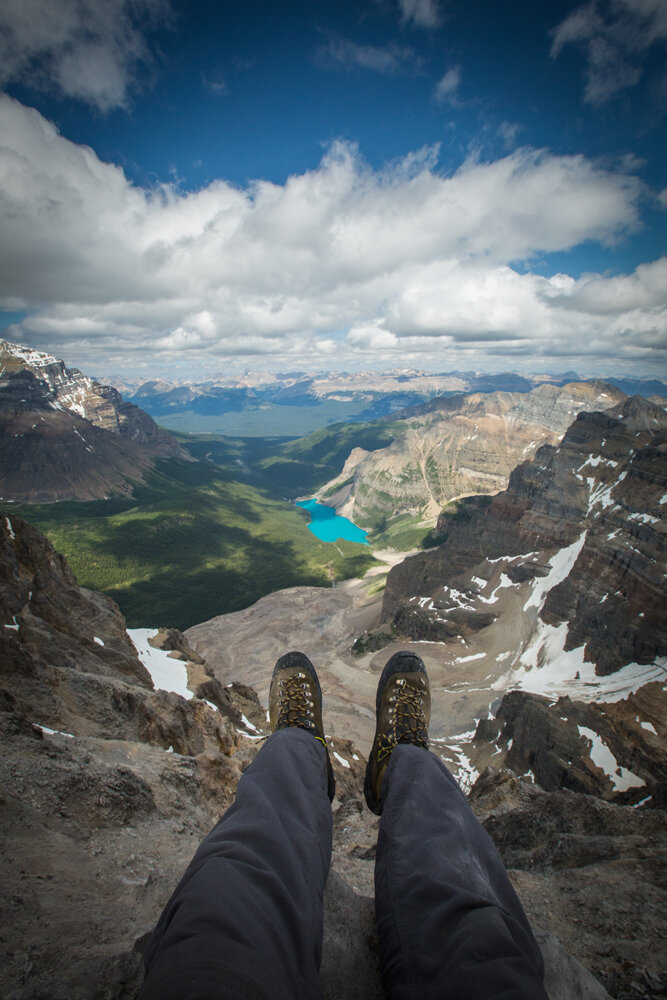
x=295 y=403
x=454 y=447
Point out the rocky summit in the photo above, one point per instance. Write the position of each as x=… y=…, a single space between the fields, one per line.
x=108 y=786
x=64 y=436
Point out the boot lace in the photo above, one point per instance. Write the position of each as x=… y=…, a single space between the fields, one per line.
x=295 y=703
x=407 y=722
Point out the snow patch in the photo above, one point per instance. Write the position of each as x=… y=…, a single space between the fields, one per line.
x=465 y=773
x=620 y=777
x=651 y=728
x=561 y=565
x=248 y=724
x=468 y=659
x=10 y=529
x=645 y=518
x=546 y=668
x=100 y=642
x=166 y=673
x=493 y=597
x=341 y=760
x=53 y=732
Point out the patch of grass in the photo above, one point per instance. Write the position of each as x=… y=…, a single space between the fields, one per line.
x=335 y=487
x=303 y=466
x=192 y=543
x=402 y=533
x=290 y=467
x=369 y=642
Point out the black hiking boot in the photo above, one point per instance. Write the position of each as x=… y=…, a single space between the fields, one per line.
x=295 y=700
x=403 y=712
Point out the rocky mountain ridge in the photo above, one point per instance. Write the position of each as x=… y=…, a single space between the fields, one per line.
x=64 y=436
x=292 y=404
x=454 y=447
x=581 y=525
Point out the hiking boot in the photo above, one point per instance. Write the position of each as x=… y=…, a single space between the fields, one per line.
x=403 y=711
x=295 y=700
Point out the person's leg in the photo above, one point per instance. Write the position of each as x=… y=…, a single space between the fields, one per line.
x=449 y=923
x=246 y=919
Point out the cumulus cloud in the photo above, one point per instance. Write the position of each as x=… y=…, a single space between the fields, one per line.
x=340 y=261
x=446 y=91
x=83 y=49
x=421 y=13
x=387 y=59
x=615 y=36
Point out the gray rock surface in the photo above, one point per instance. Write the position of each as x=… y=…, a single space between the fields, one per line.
x=455 y=446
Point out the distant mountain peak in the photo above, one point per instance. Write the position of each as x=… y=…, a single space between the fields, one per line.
x=65 y=436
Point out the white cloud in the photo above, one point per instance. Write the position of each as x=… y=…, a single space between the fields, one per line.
x=83 y=49
x=615 y=35
x=387 y=59
x=447 y=89
x=216 y=84
x=340 y=261
x=508 y=132
x=421 y=13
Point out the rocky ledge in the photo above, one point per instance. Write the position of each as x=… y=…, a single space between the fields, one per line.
x=108 y=786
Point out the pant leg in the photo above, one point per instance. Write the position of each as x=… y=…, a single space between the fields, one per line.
x=246 y=919
x=449 y=922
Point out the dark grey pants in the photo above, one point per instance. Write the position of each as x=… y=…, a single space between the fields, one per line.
x=245 y=921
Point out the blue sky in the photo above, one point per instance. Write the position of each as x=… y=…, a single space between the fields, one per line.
x=389 y=183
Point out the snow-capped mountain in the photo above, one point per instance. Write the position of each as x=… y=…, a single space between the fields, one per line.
x=64 y=436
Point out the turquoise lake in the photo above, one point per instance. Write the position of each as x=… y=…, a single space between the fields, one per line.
x=328 y=526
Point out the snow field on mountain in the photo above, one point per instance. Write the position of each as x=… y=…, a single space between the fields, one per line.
x=166 y=673
x=620 y=777
x=561 y=565
x=547 y=668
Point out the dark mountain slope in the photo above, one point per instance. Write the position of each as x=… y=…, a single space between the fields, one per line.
x=584 y=522
x=64 y=436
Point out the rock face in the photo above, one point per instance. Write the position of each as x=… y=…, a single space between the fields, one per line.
x=588 y=870
x=616 y=751
x=581 y=524
x=109 y=786
x=64 y=436
x=455 y=446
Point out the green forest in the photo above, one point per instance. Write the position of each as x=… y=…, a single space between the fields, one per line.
x=191 y=543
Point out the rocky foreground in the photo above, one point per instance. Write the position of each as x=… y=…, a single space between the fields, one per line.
x=109 y=785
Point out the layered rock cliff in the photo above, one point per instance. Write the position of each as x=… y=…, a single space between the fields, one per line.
x=456 y=446
x=64 y=436
x=579 y=532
